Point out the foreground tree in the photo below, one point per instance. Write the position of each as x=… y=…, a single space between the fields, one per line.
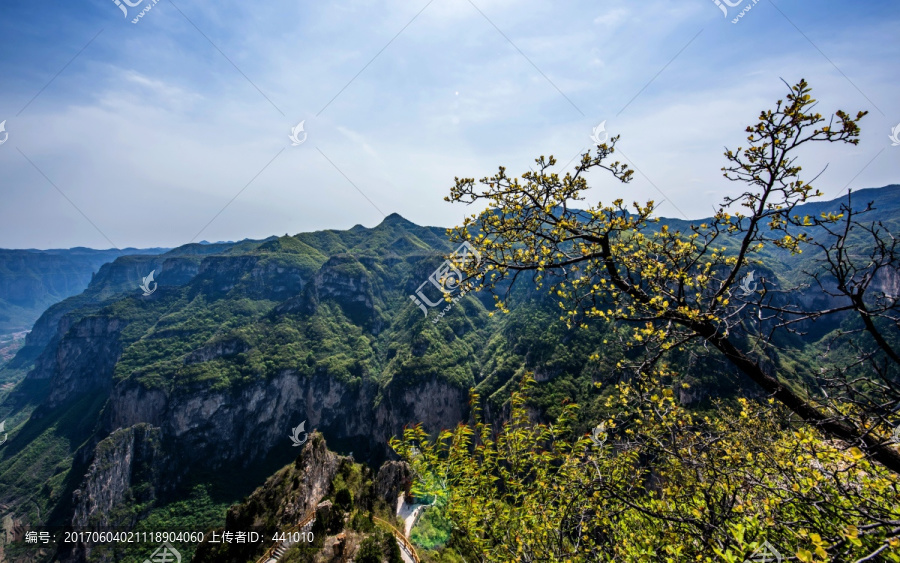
x=676 y=288
x=662 y=485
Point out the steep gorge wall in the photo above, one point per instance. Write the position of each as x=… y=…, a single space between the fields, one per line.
x=218 y=428
x=127 y=456
x=82 y=360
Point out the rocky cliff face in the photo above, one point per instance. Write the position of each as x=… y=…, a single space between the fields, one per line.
x=282 y=501
x=46 y=327
x=126 y=472
x=163 y=433
x=345 y=280
x=292 y=492
x=227 y=428
x=220 y=274
x=276 y=281
x=238 y=425
x=394 y=478
x=125 y=457
x=82 y=360
x=126 y=274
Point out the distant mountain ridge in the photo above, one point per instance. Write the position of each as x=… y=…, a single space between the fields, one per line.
x=31 y=280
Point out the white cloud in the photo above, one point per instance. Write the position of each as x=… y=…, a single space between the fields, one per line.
x=152 y=131
x=611 y=18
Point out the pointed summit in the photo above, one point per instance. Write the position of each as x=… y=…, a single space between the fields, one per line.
x=395 y=219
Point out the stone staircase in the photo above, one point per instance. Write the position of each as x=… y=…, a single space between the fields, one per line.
x=277 y=551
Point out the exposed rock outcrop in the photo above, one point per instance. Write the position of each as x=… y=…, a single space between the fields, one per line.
x=113 y=279
x=393 y=478
x=345 y=280
x=218 y=349
x=125 y=473
x=83 y=360
x=125 y=457
x=281 y=502
x=259 y=416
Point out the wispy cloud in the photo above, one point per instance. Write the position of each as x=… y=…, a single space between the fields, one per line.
x=156 y=126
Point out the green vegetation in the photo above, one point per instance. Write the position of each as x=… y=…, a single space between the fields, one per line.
x=665 y=485
x=810 y=469
x=38 y=469
x=667 y=289
x=197 y=511
x=433 y=529
x=379 y=548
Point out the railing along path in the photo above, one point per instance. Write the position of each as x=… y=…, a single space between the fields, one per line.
x=401 y=538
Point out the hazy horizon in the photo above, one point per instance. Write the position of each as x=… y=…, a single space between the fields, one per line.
x=233 y=241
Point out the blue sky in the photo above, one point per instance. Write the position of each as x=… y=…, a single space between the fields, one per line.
x=176 y=128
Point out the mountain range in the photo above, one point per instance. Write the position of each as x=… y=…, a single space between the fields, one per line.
x=130 y=409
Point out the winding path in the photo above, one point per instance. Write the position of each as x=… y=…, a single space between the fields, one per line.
x=409 y=513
